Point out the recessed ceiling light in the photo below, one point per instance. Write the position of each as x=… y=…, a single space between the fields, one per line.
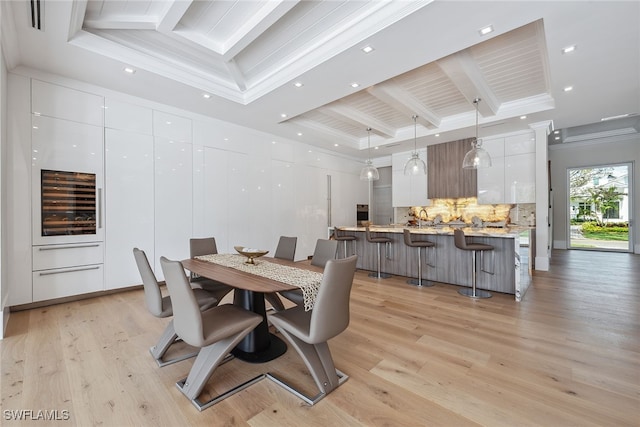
x=557 y=138
x=283 y=115
x=375 y=148
x=367 y=49
x=569 y=49
x=354 y=84
x=568 y=89
x=556 y=132
x=437 y=135
x=486 y=30
x=206 y=95
x=168 y=122
x=129 y=70
x=299 y=133
x=273 y=142
x=298 y=84
x=619 y=116
x=523 y=117
x=336 y=145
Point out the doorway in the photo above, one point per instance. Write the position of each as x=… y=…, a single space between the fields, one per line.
x=600 y=207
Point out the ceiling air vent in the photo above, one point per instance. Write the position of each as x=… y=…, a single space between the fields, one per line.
x=37 y=7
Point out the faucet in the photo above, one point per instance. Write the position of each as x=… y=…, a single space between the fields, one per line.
x=420 y=216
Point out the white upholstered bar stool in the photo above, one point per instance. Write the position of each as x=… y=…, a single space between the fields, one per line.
x=460 y=241
x=378 y=241
x=344 y=238
x=408 y=240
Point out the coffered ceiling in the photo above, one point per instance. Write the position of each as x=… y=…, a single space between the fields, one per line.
x=290 y=68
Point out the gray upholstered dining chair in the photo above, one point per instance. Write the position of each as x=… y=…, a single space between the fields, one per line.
x=206 y=246
x=323 y=252
x=286 y=248
x=161 y=307
x=215 y=331
x=309 y=331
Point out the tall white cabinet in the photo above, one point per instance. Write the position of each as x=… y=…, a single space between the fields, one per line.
x=129 y=177
x=512 y=176
x=408 y=190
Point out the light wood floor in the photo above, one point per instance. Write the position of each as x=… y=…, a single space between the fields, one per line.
x=568 y=355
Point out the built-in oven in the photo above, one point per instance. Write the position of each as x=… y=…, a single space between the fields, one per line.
x=362 y=214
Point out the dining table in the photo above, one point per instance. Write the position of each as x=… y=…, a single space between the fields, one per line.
x=250 y=286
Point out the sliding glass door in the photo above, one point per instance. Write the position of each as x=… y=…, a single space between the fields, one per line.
x=600 y=207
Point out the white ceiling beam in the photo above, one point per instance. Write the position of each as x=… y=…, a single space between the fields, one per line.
x=324 y=130
x=172 y=14
x=350 y=114
x=121 y=23
x=403 y=101
x=253 y=28
x=236 y=74
x=465 y=74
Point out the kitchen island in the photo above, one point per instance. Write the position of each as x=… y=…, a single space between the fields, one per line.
x=446 y=263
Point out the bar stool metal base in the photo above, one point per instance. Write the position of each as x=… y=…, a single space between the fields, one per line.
x=474 y=293
x=380 y=276
x=421 y=284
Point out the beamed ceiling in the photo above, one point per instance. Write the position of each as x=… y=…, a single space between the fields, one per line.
x=429 y=59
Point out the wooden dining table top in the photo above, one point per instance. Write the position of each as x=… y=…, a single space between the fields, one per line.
x=244 y=280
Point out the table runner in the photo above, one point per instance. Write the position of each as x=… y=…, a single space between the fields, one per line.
x=307 y=281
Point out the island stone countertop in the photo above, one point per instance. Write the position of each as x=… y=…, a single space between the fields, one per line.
x=511 y=231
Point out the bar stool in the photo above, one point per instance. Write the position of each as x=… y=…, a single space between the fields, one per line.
x=461 y=243
x=377 y=241
x=418 y=244
x=345 y=238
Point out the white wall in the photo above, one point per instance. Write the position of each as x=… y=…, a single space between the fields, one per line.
x=265 y=185
x=583 y=154
x=4 y=286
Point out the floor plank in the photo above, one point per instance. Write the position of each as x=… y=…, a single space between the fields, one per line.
x=569 y=355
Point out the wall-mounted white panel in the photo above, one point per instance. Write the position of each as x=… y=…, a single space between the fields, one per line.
x=65 y=103
x=493 y=146
x=491 y=182
x=215 y=196
x=128 y=117
x=173 y=200
x=520 y=178
x=520 y=144
x=172 y=127
x=129 y=203
x=283 y=201
x=407 y=190
x=241 y=210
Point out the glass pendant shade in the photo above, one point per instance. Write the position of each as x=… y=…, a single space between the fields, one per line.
x=477 y=157
x=415 y=165
x=369 y=172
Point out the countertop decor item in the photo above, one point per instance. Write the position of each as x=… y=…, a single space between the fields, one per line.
x=415 y=165
x=369 y=172
x=477 y=157
x=250 y=253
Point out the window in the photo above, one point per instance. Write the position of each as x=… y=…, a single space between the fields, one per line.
x=613 y=212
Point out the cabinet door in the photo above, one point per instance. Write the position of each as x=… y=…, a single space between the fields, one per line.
x=491 y=183
x=63 y=145
x=173 y=200
x=216 y=194
x=129 y=205
x=400 y=189
x=520 y=178
x=520 y=144
x=128 y=117
x=62 y=102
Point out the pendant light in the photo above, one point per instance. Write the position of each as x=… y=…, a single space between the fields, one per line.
x=369 y=172
x=477 y=157
x=415 y=165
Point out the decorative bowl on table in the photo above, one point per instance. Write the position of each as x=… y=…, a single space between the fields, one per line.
x=250 y=253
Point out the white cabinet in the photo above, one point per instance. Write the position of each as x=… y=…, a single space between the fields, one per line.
x=173 y=200
x=63 y=145
x=511 y=178
x=407 y=190
x=128 y=117
x=129 y=203
x=58 y=101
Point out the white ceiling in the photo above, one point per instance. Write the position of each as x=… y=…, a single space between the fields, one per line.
x=429 y=60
